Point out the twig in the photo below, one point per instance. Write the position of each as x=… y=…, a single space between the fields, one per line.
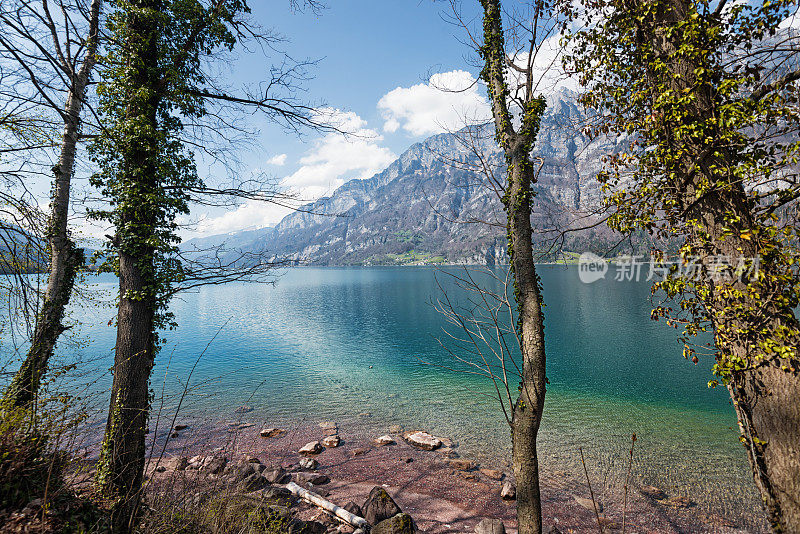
x=627 y=477
x=591 y=493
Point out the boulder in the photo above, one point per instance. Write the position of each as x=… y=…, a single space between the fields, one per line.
x=243 y=409
x=312 y=447
x=215 y=465
x=272 y=432
x=309 y=464
x=254 y=482
x=359 y=452
x=178 y=428
x=275 y=475
x=354 y=509
x=331 y=441
x=494 y=474
x=490 y=526
x=310 y=478
x=399 y=524
x=178 y=463
x=379 y=506
x=508 y=491
x=424 y=441
x=653 y=492
x=463 y=465
x=383 y=441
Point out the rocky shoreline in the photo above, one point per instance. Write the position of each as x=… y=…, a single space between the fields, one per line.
x=421 y=473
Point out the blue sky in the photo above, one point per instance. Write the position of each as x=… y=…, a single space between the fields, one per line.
x=375 y=61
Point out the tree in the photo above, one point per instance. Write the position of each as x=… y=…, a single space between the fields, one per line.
x=153 y=83
x=710 y=94
x=517 y=143
x=55 y=62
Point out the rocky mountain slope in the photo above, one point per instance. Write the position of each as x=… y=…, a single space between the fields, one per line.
x=435 y=202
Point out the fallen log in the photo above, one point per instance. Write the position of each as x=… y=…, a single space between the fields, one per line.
x=339 y=512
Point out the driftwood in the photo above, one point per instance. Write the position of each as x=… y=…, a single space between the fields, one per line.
x=340 y=513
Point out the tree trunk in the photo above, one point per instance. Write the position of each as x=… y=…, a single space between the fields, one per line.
x=517 y=146
x=121 y=465
x=120 y=468
x=529 y=406
x=765 y=395
x=65 y=257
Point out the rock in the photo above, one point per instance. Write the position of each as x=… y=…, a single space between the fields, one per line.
x=275 y=475
x=317 y=479
x=242 y=471
x=328 y=425
x=296 y=526
x=467 y=475
x=260 y=468
x=490 y=526
x=652 y=492
x=398 y=524
x=345 y=529
x=678 y=502
x=310 y=464
x=365 y=414
x=243 y=409
x=588 y=503
x=494 y=474
x=383 y=441
x=552 y=530
x=508 y=491
x=254 y=482
x=275 y=493
x=379 y=506
x=463 y=465
x=312 y=447
x=174 y=435
x=406 y=459
x=215 y=465
x=331 y=441
x=181 y=427
x=396 y=429
x=252 y=460
x=272 y=432
x=177 y=463
x=359 y=452
x=423 y=440
x=160 y=469
x=354 y=509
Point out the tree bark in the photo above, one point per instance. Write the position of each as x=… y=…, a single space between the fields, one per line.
x=120 y=469
x=517 y=145
x=65 y=258
x=766 y=396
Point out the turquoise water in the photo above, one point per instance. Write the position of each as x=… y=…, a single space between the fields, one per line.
x=332 y=343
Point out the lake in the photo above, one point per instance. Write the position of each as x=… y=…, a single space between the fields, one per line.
x=333 y=343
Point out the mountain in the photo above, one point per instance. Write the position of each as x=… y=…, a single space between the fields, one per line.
x=433 y=204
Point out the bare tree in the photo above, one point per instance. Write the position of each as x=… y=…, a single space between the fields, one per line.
x=58 y=63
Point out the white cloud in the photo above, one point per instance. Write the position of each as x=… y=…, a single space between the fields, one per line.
x=330 y=162
x=278 y=160
x=548 y=72
x=433 y=107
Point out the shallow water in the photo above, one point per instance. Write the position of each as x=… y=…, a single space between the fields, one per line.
x=333 y=343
